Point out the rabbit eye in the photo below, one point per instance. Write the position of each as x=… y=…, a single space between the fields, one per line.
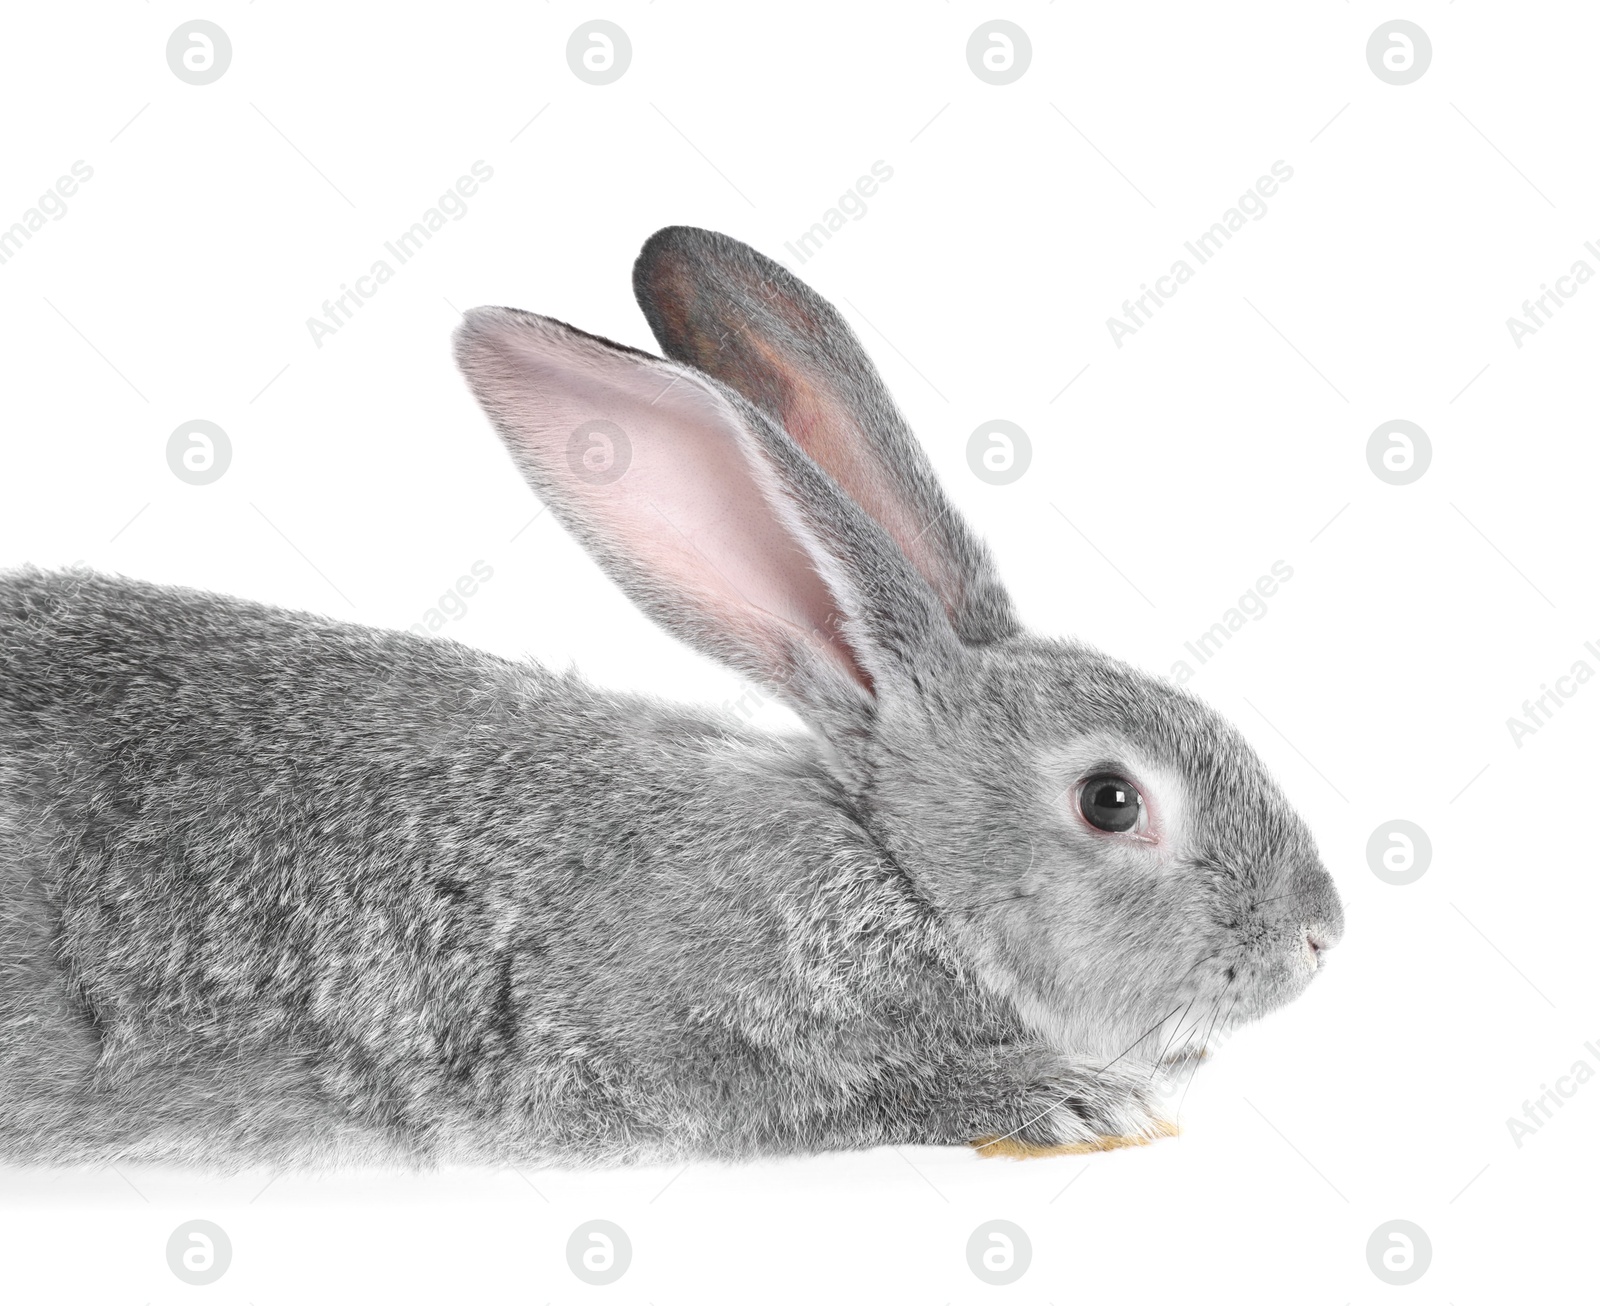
x=1110 y=803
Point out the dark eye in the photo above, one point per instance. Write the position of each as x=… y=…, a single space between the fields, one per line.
x=1108 y=802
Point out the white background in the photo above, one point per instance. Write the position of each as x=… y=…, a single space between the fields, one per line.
x=1226 y=435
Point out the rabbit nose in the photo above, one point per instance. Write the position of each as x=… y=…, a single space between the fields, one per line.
x=1318 y=941
x=1320 y=911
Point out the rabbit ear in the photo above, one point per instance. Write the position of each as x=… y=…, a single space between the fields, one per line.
x=720 y=306
x=708 y=516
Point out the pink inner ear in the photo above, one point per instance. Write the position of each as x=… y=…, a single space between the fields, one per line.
x=825 y=428
x=675 y=497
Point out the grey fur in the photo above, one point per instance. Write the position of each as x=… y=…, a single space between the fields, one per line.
x=284 y=890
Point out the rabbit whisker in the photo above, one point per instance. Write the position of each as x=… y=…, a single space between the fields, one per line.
x=1161 y=1056
x=1139 y=1040
x=1192 y=1072
x=1171 y=1038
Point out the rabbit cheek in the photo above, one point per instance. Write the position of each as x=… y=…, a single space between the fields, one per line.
x=1137 y=917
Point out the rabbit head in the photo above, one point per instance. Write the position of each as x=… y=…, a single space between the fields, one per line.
x=1108 y=851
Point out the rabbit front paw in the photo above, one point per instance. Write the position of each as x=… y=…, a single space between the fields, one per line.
x=1077 y=1116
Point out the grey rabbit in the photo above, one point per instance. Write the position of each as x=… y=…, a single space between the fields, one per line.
x=280 y=890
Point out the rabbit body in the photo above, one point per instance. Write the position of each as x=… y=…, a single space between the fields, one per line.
x=286 y=890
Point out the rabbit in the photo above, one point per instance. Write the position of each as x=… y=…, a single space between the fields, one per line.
x=281 y=890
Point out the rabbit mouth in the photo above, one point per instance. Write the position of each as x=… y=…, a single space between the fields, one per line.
x=1280 y=974
x=1248 y=982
